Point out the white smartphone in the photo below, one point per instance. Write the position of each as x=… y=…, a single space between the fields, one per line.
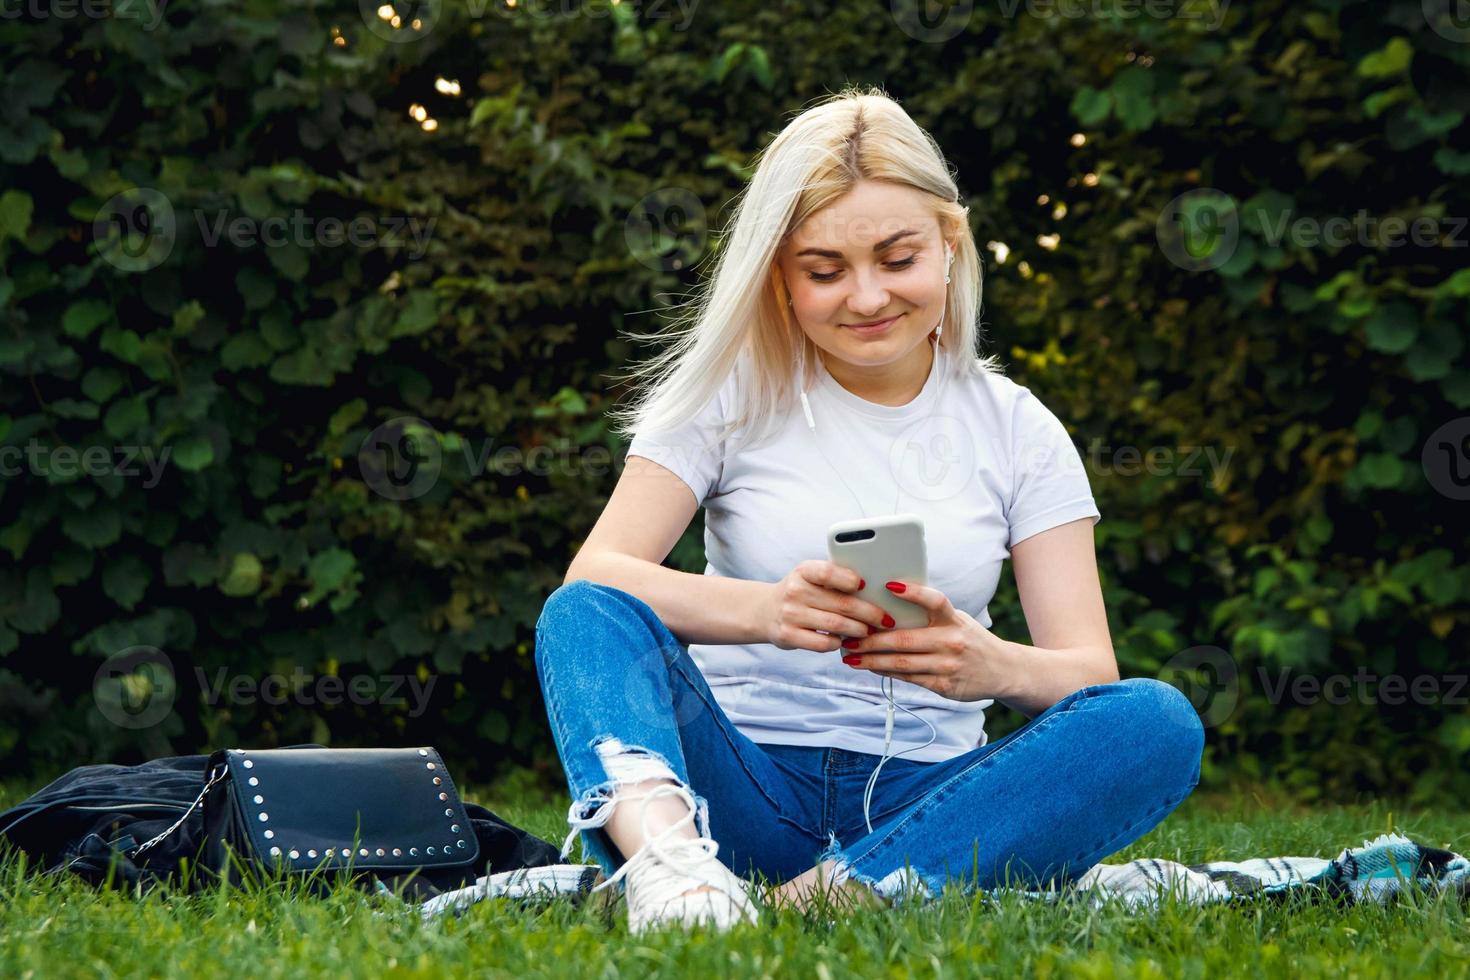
x=880 y=550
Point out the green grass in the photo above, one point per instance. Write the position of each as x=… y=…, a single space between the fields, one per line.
x=63 y=928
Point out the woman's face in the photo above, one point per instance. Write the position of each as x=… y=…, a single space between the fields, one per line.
x=874 y=254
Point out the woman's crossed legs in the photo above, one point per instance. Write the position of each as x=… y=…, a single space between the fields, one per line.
x=630 y=710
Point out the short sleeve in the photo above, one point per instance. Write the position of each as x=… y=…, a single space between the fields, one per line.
x=1050 y=485
x=692 y=451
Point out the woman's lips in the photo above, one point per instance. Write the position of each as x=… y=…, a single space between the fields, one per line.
x=877 y=328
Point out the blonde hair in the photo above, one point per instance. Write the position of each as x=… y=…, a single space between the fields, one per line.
x=740 y=321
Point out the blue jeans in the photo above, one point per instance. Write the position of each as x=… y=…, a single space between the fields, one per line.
x=1082 y=779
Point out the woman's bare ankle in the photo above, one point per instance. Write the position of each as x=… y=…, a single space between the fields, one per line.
x=625 y=825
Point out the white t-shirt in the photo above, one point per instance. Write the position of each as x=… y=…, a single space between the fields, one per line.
x=980 y=459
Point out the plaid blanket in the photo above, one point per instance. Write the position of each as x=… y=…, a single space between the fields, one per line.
x=1376 y=872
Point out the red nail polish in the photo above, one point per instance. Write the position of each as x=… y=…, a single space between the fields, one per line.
x=850 y=644
x=895 y=586
x=887 y=620
x=862 y=582
x=852 y=661
x=871 y=631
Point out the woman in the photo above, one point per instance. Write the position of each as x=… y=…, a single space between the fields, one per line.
x=742 y=709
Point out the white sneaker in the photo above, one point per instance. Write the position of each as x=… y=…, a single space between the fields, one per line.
x=663 y=875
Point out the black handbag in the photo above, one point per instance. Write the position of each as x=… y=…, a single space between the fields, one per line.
x=382 y=813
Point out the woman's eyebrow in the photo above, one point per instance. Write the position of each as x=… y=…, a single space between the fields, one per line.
x=829 y=254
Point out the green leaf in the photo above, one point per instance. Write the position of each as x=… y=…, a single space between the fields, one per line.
x=101 y=383
x=95 y=527
x=125 y=417
x=186 y=318
x=125 y=580
x=1380 y=470
x=344 y=418
x=1456 y=388
x=289 y=259
x=73 y=408
x=1377 y=103
x=330 y=569
x=40 y=609
x=15 y=214
x=84 y=316
x=125 y=345
x=245 y=351
x=71 y=565
x=1391 y=59
x=1133 y=92
x=1091 y=106
x=420 y=312
x=256 y=287
x=1393 y=328
x=1436 y=353
x=193 y=453
x=243 y=578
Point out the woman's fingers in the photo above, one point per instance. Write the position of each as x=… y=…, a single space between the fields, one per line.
x=920 y=595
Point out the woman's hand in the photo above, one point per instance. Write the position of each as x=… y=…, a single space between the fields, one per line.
x=952 y=656
x=817 y=595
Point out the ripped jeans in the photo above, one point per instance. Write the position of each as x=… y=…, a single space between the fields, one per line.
x=1082 y=779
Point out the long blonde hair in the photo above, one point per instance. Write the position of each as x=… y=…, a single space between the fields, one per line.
x=739 y=320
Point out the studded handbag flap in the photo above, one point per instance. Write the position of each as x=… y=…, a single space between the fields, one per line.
x=304 y=809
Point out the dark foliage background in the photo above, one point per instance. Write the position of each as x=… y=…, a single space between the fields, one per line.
x=1317 y=372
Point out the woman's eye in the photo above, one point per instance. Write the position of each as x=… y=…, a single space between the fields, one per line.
x=829 y=276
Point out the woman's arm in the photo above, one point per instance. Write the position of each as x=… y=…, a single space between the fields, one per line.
x=647 y=512
x=1056 y=575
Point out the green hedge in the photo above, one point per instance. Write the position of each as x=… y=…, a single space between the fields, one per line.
x=511 y=243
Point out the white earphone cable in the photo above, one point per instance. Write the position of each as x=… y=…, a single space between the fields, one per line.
x=886 y=684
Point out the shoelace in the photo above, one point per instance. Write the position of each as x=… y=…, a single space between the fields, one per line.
x=669 y=847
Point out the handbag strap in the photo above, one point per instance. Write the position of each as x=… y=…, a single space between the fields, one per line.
x=214 y=777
